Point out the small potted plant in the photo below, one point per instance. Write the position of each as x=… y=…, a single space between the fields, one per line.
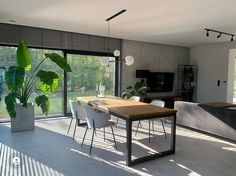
x=138 y=89
x=21 y=82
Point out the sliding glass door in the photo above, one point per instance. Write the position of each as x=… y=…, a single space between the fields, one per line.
x=87 y=74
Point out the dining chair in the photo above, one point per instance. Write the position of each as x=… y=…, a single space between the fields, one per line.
x=78 y=114
x=133 y=98
x=95 y=120
x=160 y=104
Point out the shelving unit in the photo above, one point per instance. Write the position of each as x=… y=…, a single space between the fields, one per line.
x=187 y=82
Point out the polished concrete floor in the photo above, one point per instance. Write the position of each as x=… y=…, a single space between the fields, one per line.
x=49 y=151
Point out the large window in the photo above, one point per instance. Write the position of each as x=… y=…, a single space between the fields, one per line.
x=56 y=98
x=87 y=74
x=7 y=58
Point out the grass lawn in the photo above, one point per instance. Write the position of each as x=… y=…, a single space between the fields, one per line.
x=55 y=103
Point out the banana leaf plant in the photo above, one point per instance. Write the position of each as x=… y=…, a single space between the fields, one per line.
x=138 y=89
x=21 y=81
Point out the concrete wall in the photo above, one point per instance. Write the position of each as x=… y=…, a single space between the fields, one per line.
x=153 y=57
x=212 y=61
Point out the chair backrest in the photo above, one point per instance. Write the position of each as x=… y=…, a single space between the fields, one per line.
x=95 y=118
x=76 y=107
x=158 y=103
x=135 y=98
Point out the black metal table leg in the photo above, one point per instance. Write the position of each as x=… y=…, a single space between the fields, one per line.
x=173 y=133
x=129 y=142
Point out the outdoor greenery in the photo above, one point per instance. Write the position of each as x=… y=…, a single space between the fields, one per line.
x=21 y=83
x=87 y=72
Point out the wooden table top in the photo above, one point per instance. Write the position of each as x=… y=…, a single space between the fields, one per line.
x=127 y=108
x=221 y=104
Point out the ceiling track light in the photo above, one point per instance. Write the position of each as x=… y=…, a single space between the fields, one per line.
x=219 y=33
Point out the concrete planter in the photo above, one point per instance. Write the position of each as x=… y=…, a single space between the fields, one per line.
x=24 y=120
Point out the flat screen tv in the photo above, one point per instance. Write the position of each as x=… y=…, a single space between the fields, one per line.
x=160 y=82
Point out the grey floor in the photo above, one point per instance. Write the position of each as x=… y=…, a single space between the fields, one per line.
x=49 y=151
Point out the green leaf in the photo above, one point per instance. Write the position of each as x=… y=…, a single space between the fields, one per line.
x=137 y=86
x=43 y=102
x=10 y=103
x=60 y=61
x=48 y=81
x=23 y=56
x=14 y=77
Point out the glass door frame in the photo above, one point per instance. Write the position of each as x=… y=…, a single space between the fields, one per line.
x=89 y=53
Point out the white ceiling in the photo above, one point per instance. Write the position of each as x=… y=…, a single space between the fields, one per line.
x=176 y=22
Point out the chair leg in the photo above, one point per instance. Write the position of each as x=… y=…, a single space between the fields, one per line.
x=91 y=142
x=104 y=133
x=117 y=121
x=149 y=130
x=84 y=136
x=163 y=127
x=139 y=123
x=153 y=126
x=113 y=137
x=76 y=123
x=70 y=125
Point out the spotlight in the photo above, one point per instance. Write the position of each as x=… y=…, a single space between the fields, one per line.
x=232 y=38
x=219 y=35
x=207 y=34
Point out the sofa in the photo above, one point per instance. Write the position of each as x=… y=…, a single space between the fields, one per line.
x=218 y=121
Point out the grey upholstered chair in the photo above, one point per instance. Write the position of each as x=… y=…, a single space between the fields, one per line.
x=78 y=114
x=96 y=120
x=155 y=103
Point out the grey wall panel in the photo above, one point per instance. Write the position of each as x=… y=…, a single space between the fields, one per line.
x=66 y=40
x=39 y=37
x=80 y=42
x=96 y=43
x=52 y=39
x=114 y=44
x=10 y=34
x=33 y=36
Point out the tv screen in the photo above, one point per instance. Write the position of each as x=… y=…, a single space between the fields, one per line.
x=160 y=82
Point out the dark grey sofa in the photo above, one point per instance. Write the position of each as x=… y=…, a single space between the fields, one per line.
x=215 y=120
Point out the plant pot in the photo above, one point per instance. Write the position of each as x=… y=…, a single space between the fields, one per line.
x=24 y=120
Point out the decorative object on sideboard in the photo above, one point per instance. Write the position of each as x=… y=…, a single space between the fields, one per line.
x=129 y=60
x=219 y=33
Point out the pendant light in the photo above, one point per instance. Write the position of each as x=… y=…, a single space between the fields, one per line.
x=105 y=61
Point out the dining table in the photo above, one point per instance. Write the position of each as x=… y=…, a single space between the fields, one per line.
x=131 y=111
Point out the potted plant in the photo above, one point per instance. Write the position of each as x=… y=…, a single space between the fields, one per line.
x=138 y=89
x=21 y=82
